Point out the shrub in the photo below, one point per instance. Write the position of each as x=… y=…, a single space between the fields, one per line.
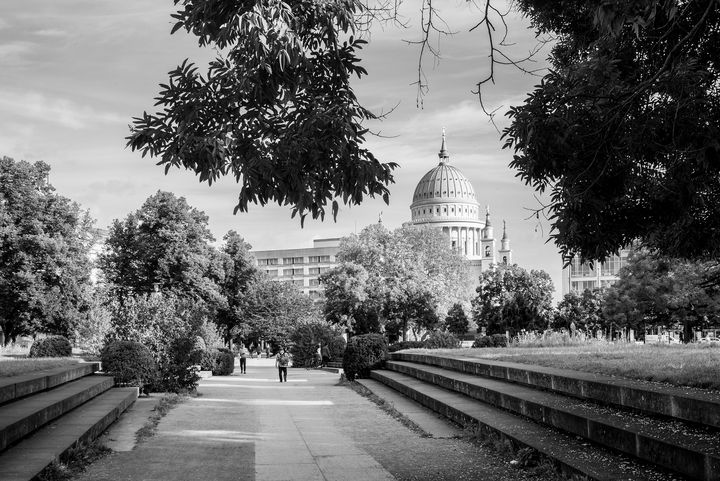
x=500 y=340
x=206 y=359
x=442 y=340
x=399 y=346
x=51 y=346
x=336 y=345
x=129 y=363
x=176 y=373
x=199 y=344
x=496 y=340
x=363 y=353
x=224 y=362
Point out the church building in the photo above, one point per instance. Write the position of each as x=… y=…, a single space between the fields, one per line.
x=444 y=198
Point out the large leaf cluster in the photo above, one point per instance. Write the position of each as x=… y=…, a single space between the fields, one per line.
x=624 y=132
x=275 y=110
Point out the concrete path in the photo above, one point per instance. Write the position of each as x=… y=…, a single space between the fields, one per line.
x=252 y=427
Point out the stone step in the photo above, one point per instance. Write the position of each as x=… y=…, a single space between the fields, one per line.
x=26 y=459
x=687 y=449
x=16 y=387
x=688 y=404
x=573 y=457
x=24 y=416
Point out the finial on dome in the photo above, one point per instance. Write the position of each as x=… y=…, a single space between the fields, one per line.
x=487 y=215
x=444 y=157
x=380 y=218
x=504 y=237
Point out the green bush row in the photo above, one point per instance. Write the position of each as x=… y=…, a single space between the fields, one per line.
x=436 y=340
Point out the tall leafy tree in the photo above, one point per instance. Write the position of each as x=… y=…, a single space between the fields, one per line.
x=623 y=131
x=238 y=273
x=456 y=320
x=163 y=245
x=45 y=243
x=655 y=290
x=510 y=298
x=275 y=109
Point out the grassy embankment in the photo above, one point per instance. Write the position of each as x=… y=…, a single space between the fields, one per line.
x=15 y=367
x=694 y=365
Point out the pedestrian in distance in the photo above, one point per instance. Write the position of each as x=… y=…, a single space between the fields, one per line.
x=318 y=357
x=325 y=352
x=243 y=358
x=281 y=362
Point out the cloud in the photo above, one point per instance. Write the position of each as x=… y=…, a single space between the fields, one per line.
x=51 y=32
x=14 y=53
x=66 y=113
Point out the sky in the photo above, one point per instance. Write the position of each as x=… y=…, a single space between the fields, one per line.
x=75 y=72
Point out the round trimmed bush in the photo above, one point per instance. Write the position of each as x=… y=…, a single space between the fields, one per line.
x=224 y=362
x=363 y=353
x=51 y=346
x=130 y=363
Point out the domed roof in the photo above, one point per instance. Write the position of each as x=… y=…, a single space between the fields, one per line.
x=444 y=182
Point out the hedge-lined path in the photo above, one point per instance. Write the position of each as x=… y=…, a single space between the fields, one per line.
x=252 y=427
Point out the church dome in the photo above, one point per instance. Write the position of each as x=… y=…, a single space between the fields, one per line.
x=444 y=182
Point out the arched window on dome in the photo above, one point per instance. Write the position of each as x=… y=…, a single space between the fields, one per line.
x=487 y=251
x=438 y=210
x=444 y=210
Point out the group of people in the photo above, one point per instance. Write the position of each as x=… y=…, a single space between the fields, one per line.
x=282 y=359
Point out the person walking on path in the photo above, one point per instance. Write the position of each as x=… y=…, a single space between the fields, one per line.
x=281 y=362
x=243 y=358
x=325 y=352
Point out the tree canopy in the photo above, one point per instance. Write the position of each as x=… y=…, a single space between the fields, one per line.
x=623 y=133
x=656 y=290
x=275 y=110
x=408 y=277
x=163 y=245
x=511 y=299
x=45 y=243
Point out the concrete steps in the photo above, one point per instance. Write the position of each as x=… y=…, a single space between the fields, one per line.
x=574 y=458
x=47 y=413
x=542 y=399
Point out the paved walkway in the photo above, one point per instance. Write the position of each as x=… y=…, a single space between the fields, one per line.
x=252 y=427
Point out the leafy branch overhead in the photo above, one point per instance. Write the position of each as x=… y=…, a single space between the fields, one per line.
x=275 y=110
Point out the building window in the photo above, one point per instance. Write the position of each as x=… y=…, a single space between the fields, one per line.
x=314 y=283
x=272 y=272
x=287 y=272
x=299 y=282
x=293 y=260
x=505 y=260
x=487 y=251
x=267 y=262
x=314 y=270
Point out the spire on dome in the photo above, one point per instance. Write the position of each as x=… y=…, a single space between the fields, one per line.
x=504 y=237
x=487 y=216
x=444 y=157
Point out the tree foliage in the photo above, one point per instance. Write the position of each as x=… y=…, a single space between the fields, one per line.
x=164 y=245
x=624 y=130
x=405 y=278
x=456 y=320
x=275 y=110
x=582 y=310
x=656 y=290
x=45 y=242
x=238 y=273
x=511 y=299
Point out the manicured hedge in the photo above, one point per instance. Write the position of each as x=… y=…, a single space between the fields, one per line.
x=220 y=361
x=51 y=346
x=130 y=363
x=442 y=340
x=363 y=353
x=495 y=340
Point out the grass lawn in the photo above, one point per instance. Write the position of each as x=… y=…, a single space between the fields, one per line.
x=682 y=365
x=15 y=367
